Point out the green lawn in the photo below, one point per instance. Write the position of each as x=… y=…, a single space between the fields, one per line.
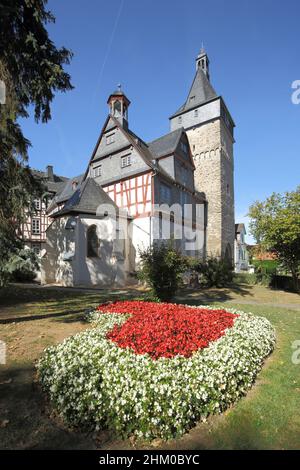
x=31 y=319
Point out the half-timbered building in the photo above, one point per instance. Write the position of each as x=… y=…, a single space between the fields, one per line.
x=33 y=229
x=135 y=192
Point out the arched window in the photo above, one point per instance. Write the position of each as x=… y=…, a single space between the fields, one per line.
x=228 y=253
x=92 y=242
x=117 y=108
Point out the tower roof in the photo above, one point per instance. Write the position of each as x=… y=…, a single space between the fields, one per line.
x=201 y=92
x=86 y=199
x=119 y=93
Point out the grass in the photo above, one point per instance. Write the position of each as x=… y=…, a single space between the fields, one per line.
x=33 y=318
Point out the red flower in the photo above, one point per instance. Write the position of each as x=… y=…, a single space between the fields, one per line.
x=166 y=330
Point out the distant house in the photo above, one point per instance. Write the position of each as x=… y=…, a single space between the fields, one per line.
x=261 y=254
x=34 y=228
x=241 y=258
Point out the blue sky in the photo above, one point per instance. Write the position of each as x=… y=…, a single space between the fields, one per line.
x=150 y=46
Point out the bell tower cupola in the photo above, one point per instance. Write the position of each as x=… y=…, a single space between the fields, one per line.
x=202 y=61
x=118 y=106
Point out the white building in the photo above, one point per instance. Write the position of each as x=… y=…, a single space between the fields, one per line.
x=241 y=258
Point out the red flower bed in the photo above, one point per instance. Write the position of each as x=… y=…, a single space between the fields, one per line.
x=166 y=330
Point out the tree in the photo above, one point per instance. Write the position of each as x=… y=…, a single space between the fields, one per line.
x=275 y=223
x=32 y=70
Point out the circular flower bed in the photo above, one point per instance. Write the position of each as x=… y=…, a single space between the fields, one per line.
x=154 y=370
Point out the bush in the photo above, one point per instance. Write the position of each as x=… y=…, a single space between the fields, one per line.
x=161 y=268
x=22 y=266
x=269 y=265
x=284 y=283
x=263 y=277
x=214 y=272
x=258 y=277
x=245 y=278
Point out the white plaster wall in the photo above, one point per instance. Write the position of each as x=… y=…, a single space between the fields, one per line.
x=140 y=231
x=104 y=270
x=54 y=269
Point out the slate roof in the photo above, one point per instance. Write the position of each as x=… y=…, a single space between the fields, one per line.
x=201 y=90
x=86 y=199
x=64 y=192
x=239 y=228
x=54 y=186
x=166 y=144
x=44 y=174
x=67 y=189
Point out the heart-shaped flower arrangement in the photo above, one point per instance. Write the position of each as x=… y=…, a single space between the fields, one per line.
x=154 y=370
x=166 y=330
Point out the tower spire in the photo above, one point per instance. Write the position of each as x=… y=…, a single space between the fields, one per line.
x=118 y=105
x=202 y=61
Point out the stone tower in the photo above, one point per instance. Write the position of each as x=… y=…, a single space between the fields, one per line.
x=209 y=128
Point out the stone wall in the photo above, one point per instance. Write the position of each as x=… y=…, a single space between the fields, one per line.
x=212 y=149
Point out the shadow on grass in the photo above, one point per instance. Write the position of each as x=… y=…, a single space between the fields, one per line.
x=28 y=425
x=199 y=296
x=61 y=304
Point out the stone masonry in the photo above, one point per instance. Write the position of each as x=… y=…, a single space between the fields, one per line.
x=212 y=150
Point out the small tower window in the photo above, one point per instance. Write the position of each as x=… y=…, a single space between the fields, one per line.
x=183 y=147
x=117 y=108
x=110 y=139
x=125 y=161
x=196 y=113
x=97 y=171
x=180 y=119
x=92 y=242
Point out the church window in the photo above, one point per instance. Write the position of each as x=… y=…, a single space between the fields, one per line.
x=92 y=242
x=35 y=226
x=196 y=113
x=125 y=161
x=97 y=171
x=110 y=139
x=180 y=119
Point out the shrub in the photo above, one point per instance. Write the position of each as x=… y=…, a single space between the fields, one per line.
x=245 y=278
x=268 y=265
x=161 y=268
x=214 y=272
x=262 y=276
x=22 y=266
x=284 y=283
